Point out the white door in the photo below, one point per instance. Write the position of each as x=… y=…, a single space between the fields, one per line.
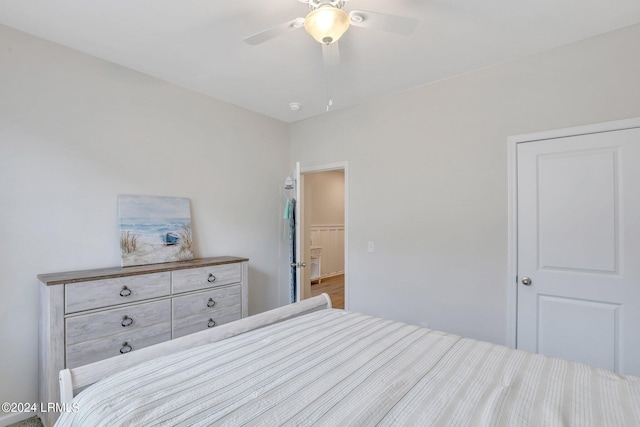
x=302 y=248
x=579 y=248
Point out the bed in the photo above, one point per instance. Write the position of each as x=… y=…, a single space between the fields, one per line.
x=309 y=364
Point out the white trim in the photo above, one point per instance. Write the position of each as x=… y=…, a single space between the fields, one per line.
x=344 y=165
x=578 y=130
x=512 y=242
x=326 y=168
x=512 y=203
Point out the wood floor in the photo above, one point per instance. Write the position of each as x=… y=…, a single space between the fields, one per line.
x=334 y=286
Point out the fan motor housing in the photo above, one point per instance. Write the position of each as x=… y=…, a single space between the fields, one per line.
x=315 y=4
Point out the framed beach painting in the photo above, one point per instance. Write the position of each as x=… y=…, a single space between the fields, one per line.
x=154 y=229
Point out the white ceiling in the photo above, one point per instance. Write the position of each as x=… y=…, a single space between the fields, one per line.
x=198 y=44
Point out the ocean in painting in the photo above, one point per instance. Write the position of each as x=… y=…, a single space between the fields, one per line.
x=154 y=229
x=151 y=229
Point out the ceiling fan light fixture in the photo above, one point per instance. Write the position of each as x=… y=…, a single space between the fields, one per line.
x=327 y=24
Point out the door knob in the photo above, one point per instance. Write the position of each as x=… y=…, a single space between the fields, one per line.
x=526 y=281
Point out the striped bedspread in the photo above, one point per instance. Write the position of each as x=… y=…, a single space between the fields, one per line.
x=336 y=368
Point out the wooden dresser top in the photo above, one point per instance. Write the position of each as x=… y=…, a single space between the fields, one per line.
x=112 y=272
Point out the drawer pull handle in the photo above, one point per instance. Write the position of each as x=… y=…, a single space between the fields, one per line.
x=211 y=323
x=211 y=302
x=211 y=278
x=126 y=348
x=127 y=321
x=125 y=292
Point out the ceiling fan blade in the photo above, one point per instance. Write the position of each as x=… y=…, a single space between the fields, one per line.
x=383 y=22
x=331 y=54
x=273 y=32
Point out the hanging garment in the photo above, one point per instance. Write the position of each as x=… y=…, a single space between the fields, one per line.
x=290 y=212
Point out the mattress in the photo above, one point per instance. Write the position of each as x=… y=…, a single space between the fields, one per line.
x=337 y=368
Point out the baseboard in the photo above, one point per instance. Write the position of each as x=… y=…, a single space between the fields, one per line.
x=317 y=280
x=8 y=419
x=326 y=276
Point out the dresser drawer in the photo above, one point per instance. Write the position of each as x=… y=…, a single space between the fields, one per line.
x=208 y=301
x=194 y=279
x=114 y=345
x=108 y=292
x=201 y=322
x=116 y=321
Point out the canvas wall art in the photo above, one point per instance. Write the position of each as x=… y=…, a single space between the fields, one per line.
x=154 y=229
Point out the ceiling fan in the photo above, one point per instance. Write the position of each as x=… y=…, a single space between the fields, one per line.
x=327 y=22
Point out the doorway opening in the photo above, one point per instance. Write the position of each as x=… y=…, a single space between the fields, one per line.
x=323 y=232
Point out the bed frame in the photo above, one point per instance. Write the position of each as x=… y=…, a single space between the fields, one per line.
x=82 y=376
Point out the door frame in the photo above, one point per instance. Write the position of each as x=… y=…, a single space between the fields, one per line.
x=343 y=165
x=512 y=203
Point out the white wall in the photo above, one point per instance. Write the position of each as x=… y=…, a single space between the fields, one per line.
x=325 y=194
x=428 y=176
x=75 y=132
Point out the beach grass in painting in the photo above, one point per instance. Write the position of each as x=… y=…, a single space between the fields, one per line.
x=154 y=229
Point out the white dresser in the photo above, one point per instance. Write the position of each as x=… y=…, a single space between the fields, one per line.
x=86 y=316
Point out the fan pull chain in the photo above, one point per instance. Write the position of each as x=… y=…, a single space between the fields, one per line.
x=329 y=92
